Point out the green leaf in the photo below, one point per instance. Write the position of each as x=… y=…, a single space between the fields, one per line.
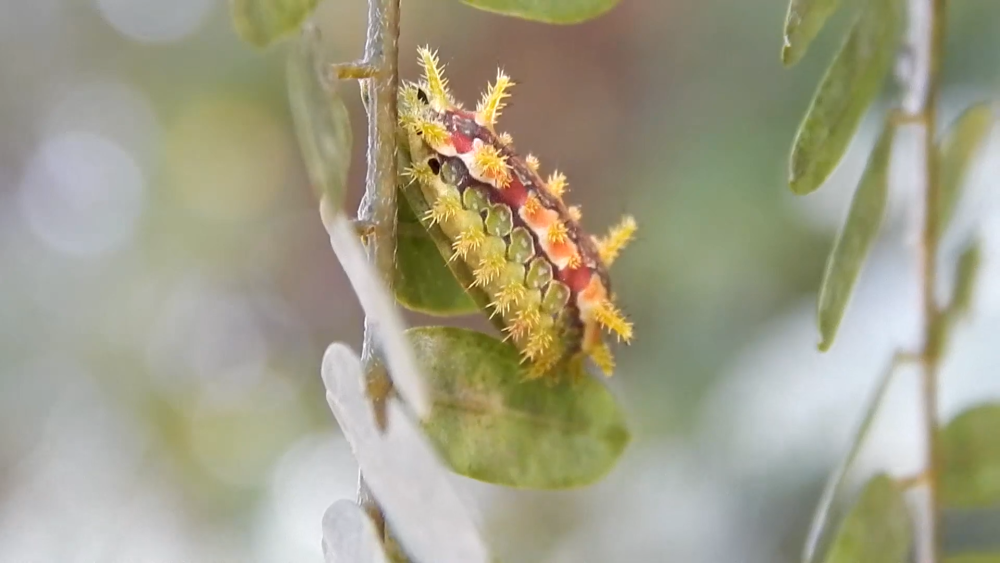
x=321 y=121
x=855 y=239
x=965 y=278
x=491 y=424
x=803 y=22
x=974 y=558
x=423 y=281
x=877 y=529
x=970 y=446
x=547 y=11
x=956 y=151
x=262 y=22
x=819 y=530
x=849 y=87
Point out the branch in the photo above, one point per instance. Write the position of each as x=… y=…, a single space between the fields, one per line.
x=379 y=73
x=924 y=51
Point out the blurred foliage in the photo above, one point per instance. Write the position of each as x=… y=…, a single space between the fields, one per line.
x=958 y=147
x=877 y=529
x=971 y=452
x=676 y=111
x=262 y=22
x=548 y=11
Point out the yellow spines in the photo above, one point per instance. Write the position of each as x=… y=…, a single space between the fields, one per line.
x=609 y=317
x=468 y=241
x=489 y=107
x=532 y=162
x=556 y=184
x=618 y=237
x=574 y=212
x=434 y=80
x=557 y=233
x=490 y=164
x=444 y=208
x=602 y=358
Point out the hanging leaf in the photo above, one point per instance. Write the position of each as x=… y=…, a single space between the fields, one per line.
x=804 y=20
x=956 y=151
x=490 y=424
x=965 y=278
x=321 y=120
x=423 y=281
x=849 y=87
x=262 y=22
x=970 y=446
x=974 y=558
x=547 y=11
x=819 y=529
x=855 y=239
x=877 y=529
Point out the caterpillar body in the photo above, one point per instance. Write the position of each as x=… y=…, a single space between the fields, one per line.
x=546 y=278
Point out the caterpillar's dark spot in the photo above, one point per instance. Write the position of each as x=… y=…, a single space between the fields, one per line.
x=435 y=165
x=422 y=96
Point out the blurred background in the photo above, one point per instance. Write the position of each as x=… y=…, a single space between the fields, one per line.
x=167 y=289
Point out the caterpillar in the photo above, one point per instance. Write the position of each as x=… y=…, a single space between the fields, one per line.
x=546 y=278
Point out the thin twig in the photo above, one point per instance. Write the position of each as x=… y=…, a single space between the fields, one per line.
x=379 y=73
x=921 y=93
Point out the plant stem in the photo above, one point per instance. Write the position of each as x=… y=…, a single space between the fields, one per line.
x=926 y=30
x=378 y=207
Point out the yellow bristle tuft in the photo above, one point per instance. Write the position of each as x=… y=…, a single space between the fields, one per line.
x=539 y=344
x=557 y=233
x=608 y=316
x=437 y=84
x=444 y=208
x=509 y=295
x=524 y=323
x=618 y=237
x=531 y=205
x=575 y=213
x=601 y=355
x=420 y=172
x=574 y=261
x=505 y=138
x=532 y=162
x=468 y=241
x=488 y=109
x=491 y=266
x=433 y=133
x=491 y=164
x=556 y=184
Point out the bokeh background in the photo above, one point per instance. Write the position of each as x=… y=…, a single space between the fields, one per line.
x=167 y=289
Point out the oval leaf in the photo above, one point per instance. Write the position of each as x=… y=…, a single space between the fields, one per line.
x=956 y=151
x=262 y=22
x=855 y=239
x=877 y=529
x=804 y=20
x=401 y=469
x=424 y=282
x=970 y=446
x=547 y=11
x=321 y=120
x=847 y=90
x=490 y=424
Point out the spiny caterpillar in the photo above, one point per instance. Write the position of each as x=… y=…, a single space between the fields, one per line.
x=545 y=277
